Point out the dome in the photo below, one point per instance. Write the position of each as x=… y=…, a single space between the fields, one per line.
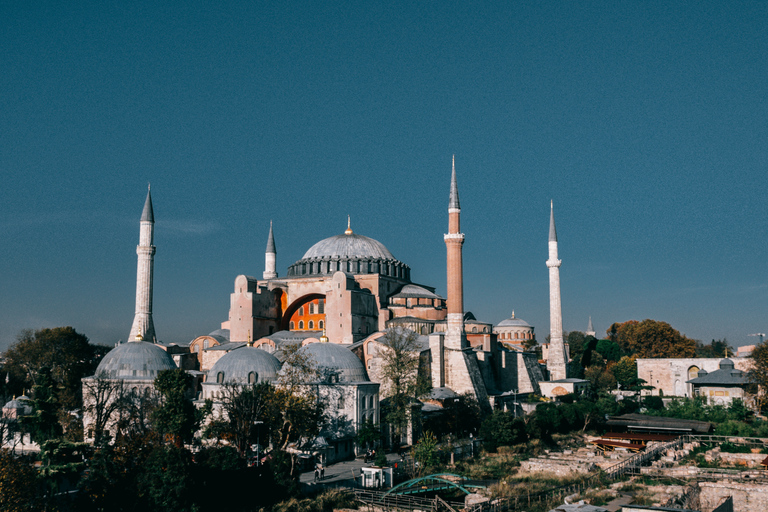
x=513 y=322
x=135 y=360
x=726 y=364
x=416 y=291
x=336 y=358
x=236 y=366
x=349 y=246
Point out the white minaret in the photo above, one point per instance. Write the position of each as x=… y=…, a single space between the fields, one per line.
x=556 y=361
x=270 y=256
x=590 y=329
x=143 y=327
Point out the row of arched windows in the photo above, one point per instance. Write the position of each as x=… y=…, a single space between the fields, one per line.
x=310 y=325
x=516 y=335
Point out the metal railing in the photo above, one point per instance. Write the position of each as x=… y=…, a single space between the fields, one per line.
x=397 y=501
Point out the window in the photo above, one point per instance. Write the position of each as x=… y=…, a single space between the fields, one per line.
x=301 y=325
x=320 y=324
x=311 y=325
x=220 y=378
x=196 y=348
x=321 y=306
x=311 y=308
x=474 y=329
x=301 y=311
x=292 y=326
x=205 y=344
x=253 y=377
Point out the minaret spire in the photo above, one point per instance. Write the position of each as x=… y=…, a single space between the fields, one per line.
x=143 y=327
x=270 y=257
x=590 y=329
x=557 y=363
x=453 y=202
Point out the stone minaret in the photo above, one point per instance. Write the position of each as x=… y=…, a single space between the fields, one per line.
x=454 y=364
x=454 y=240
x=271 y=256
x=556 y=362
x=143 y=327
x=590 y=329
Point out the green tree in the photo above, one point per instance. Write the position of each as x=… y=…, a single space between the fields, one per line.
x=425 y=453
x=399 y=368
x=43 y=424
x=651 y=338
x=625 y=372
x=502 y=429
x=369 y=433
x=165 y=482
x=18 y=484
x=251 y=413
x=758 y=374
x=716 y=348
x=609 y=350
x=176 y=418
x=67 y=354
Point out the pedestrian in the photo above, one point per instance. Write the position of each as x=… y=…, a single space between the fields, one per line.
x=322 y=472
x=317 y=473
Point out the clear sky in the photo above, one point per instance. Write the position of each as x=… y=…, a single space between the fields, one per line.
x=645 y=122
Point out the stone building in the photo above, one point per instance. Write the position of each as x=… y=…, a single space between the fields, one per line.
x=671 y=376
x=514 y=331
x=721 y=386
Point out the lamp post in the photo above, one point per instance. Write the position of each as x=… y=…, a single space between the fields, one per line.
x=258 y=441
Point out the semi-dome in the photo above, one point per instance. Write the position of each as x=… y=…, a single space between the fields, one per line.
x=349 y=246
x=334 y=358
x=247 y=365
x=135 y=360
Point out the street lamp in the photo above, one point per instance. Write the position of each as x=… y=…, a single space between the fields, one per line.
x=258 y=442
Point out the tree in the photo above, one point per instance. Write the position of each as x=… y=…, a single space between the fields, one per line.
x=758 y=374
x=716 y=348
x=246 y=408
x=369 y=433
x=18 y=484
x=103 y=400
x=609 y=350
x=625 y=371
x=399 y=368
x=651 y=338
x=43 y=424
x=66 y=352
x=176 y=418
x=425 y=453
x=502 y=429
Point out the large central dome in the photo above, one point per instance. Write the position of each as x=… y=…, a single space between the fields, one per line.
x=349 y=246
x=355 y=254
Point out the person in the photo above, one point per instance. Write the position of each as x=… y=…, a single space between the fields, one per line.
x=317 y=473
x=322 y=472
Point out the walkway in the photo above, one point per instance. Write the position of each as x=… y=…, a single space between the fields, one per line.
x=615 y=505
x=341 y=473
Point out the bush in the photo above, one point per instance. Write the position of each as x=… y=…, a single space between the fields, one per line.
x=735 y=448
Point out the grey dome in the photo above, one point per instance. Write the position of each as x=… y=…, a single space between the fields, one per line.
x=336 y=358
x=237 y=364
x=349 y=246
x=416 y=291
x=513 y=322
x=135 y=360
x=726 y=364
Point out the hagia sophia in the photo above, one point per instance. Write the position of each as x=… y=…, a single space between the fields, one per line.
x=338 y=301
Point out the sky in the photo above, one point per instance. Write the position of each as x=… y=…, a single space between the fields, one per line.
x=645 y=122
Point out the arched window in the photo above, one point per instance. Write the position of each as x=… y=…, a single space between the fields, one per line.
x=474 y=329
x=301 y=325
x=311 y=325
x=693 y=372
x=196 y=348
x=311 y=308
x=320 y=324
x=205 y=344
x=301 y=311
x=253 y=377
x=321 y=306
x=293 y=326
x=220 y=378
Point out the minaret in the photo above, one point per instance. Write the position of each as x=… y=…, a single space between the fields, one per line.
x=590 y=329
x=270 y=256
x=454 y=240
x=556 y=362
x=143 y=327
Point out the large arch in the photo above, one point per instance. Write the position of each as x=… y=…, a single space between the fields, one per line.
x=294 y=306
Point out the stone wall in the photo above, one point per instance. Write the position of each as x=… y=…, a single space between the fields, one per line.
x=752 y=497
x=557 y=466
x=669 y=376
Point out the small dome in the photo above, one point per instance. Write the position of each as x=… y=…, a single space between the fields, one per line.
x=21 y=405
x=726 y=364
x=349 y=246
x=135 y=360
x=702 y=373
x=236 y=366
x=513 y=322
x=335 y=358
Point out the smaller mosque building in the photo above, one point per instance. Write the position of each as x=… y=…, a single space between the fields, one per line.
x=514 y=332
x=673 y=376
x=721 y=386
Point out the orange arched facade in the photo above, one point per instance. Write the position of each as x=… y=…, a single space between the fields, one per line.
x=308 y=315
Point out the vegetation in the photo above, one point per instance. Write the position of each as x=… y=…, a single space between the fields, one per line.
x=399 y=368
x=759 y=372
x=651 y=338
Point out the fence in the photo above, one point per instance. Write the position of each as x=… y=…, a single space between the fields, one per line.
x=395 y=501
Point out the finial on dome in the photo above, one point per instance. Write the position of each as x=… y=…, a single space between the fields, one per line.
x=324 y=338
x=513 y=313
x=349 y=229
x=250 y=342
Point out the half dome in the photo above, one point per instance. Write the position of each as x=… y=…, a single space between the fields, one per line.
x=334 y=358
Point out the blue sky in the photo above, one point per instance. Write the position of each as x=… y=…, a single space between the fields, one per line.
x=646 y=123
